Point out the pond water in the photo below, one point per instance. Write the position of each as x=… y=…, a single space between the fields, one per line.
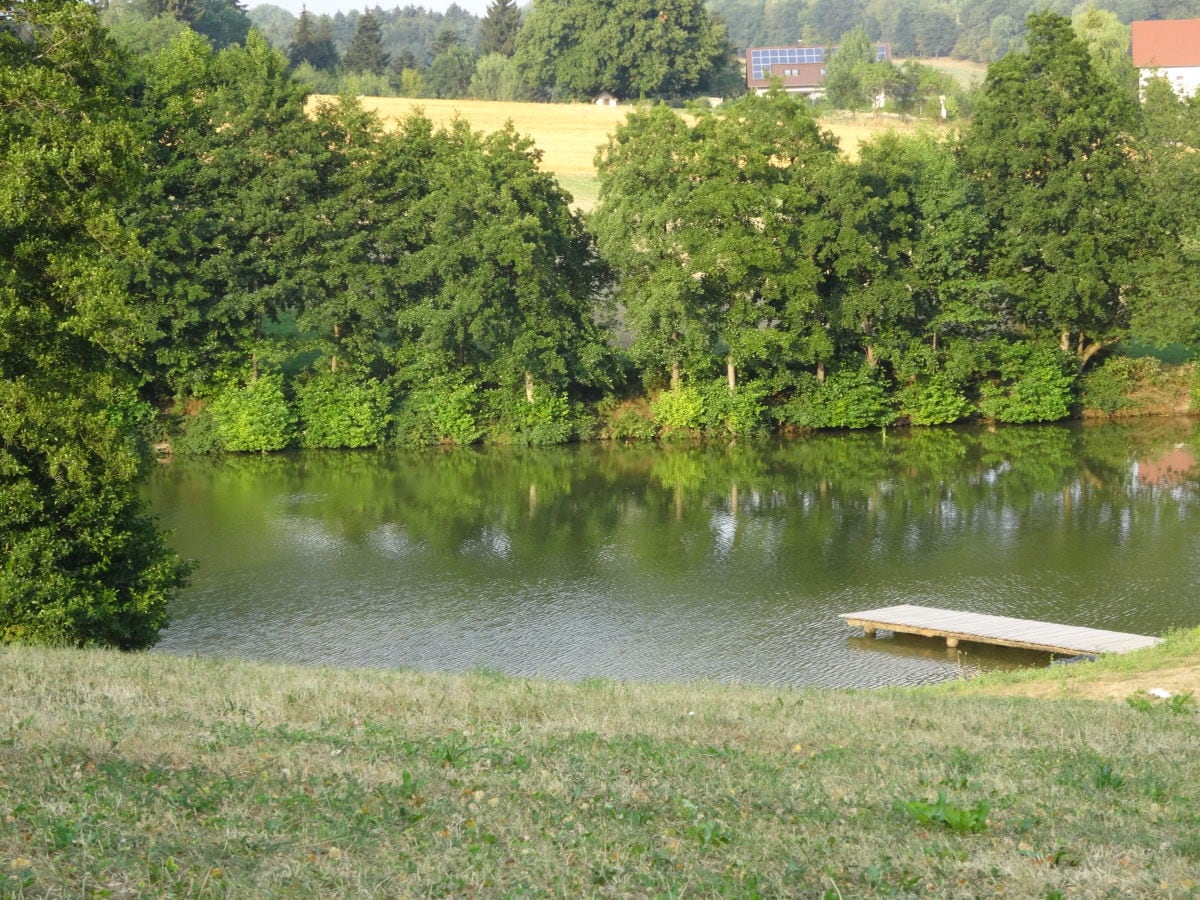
x=684 y=563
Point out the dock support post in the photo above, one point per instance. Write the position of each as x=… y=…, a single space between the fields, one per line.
x=869 y=632
x=951 y=641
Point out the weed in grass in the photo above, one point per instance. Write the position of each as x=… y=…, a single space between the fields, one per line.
x=1179 y=704
x=452 y=750
x=1105 y=778
x=956 y=818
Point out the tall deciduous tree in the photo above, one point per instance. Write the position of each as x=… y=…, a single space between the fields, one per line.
x=80 y=559
x=632 y=48
x=1051 y=146
x=735 y=237
x=507 y=276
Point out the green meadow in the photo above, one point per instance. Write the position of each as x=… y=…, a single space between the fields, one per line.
x=146 y=774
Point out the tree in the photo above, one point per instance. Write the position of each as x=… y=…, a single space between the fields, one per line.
x=449 y=75
x=312 y=43
x=845 y=80
x=1164 y=293
x=496 y=78
x=1051 y=148
x=734 y=237
x=500 y=27
x=80 y=559
x=365 y=52
x=632 y=48
x=227 y=208
x=505 y=273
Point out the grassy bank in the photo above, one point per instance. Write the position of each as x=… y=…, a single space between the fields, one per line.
x=131 y=775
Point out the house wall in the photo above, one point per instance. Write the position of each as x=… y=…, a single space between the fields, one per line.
x=1185 y=79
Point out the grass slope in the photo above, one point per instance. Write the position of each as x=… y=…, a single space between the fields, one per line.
x=125 y=775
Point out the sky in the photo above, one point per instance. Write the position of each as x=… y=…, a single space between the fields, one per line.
x=319 y=7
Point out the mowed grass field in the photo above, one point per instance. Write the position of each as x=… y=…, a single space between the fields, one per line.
x=571 y=134
x=128 y=775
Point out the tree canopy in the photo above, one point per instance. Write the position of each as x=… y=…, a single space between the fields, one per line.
x=631 y=48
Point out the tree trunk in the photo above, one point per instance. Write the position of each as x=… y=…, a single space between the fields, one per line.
x=1064 y=342
x=871 y=355
x=337 y=336
x=676 y=377
x=528 y=387
x=731 y=373
x=821 y=372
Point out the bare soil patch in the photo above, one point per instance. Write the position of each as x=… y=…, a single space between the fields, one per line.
x=1111 y=686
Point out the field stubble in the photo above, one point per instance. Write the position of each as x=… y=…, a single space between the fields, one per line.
x=133 y=774
x=569 y=135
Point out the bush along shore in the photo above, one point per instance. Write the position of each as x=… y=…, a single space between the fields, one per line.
x=125 y=775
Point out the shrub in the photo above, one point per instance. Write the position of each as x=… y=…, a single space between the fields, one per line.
x=738 y=412
x=442 y=411
x=253 y=417
x=678 y=410
x=629 y=420
x=1032 y=384
x=850 y=398
x=338 y=411
x=934 y=399
x=547 y=420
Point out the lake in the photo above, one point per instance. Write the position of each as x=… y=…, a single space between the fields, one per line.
x=684 y=562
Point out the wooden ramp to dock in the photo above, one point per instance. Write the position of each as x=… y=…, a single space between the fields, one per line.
x=1027 y=634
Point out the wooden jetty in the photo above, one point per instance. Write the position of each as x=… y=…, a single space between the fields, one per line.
x=1027 y=634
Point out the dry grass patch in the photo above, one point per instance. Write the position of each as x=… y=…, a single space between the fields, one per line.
x=131 y=775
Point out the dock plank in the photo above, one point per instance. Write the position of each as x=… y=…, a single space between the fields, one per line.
x=1004 y=631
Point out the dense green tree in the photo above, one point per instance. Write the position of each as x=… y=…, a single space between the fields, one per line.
x=365 y=52
x=846 y=82
x=1050 y=145
x=312 y=43
x=227 y=207
x=449 y=75
x=80 y=559
x=632 y=48
x=1164 y=295
x=507 y=275
x=735 y=238
x=497 y=77
x=500 y=27
x=1109 y=42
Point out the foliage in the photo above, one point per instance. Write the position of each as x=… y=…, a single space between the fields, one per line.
x=1030 y=384
x=935 y=399
x=312 y=43
x=632 y=48
x=81 y=561
x=337 y=410
x=547 y=419
x=254 y=417
x=444 y=410
x=1059 y=190
x=739 y=412
x=849 y=398
x=365 y=52
x=626 y=420
x=500 y=26
x=972 y=819
x=679 y=410
x=1107 y=387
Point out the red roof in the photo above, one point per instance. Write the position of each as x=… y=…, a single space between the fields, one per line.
x=1166 y=44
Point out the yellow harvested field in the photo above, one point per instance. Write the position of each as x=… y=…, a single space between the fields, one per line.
x=570 y=134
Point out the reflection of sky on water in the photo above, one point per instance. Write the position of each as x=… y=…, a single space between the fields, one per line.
x=740 y=583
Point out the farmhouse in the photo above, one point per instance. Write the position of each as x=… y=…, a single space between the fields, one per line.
x=1169 y=49
x=800 y=69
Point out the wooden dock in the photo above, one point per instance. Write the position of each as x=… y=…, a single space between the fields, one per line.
x=1027 y=634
